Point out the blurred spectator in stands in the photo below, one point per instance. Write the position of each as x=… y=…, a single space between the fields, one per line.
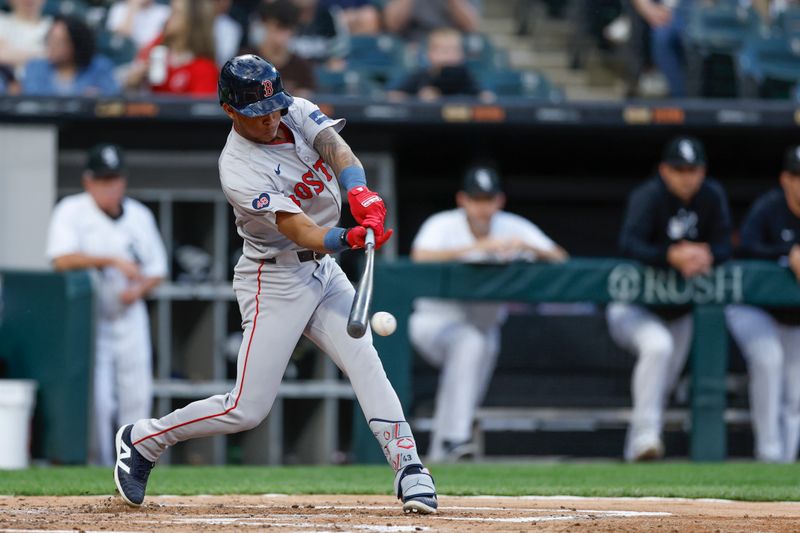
x=141 y=20
x=182 y=59
x=415 y=19
x=22 y=33
x=362 y=17
x=321 y=34
x=770 y=338
x=446 y=74
x=667 y=21
x=679 y=219
x=71 y=68
x=227 y=32
x=279 y=20
x=463 y=338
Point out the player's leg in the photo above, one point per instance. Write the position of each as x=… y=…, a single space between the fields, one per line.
x=103 y=403
x=790 y=408
x=757 y=335
x=460 y=383
x=134 y=372
x=488 y=363
x=681 y=330
x=275 y=304
x=327 y=328
x=644 y=334
x=427 y=332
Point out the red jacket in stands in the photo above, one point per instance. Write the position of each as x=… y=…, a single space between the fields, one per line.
x=198 y=77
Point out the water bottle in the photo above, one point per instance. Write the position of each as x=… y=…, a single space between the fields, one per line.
x=157 y=65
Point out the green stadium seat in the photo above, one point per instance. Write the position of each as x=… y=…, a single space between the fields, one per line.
x=75 y=8
x=344 y=83
x=713 y=36
x=479 y=50
x=528 y=84
x=118 y=48
x=769 y=61
x=377 y=57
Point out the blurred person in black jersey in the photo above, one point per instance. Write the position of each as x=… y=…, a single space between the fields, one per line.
x=677 y=219
x=770 y=338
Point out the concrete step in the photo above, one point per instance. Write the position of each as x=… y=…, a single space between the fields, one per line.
x=497 y=26
x=539 y=59
x=499 y=9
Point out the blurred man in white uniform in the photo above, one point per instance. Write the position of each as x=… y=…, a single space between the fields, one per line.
x=117 y=238
x=461 y=338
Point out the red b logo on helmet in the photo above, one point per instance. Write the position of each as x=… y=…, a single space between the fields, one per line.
x=267 y=88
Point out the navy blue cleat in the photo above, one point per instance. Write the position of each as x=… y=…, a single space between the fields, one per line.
x=414 y=485
x=132 y=469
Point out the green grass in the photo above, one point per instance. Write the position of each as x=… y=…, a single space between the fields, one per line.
x=739 y=481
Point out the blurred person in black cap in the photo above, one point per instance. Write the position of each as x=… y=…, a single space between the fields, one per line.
x=461 y=338
x=116 y=238
x=770 y=338
x=679 y=218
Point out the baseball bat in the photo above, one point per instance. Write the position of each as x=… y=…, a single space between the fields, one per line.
x=359 y=311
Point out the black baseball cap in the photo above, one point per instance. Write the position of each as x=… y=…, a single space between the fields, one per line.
x=685 y=152
x=106 y=160
x=791 y=161
x=481 y=181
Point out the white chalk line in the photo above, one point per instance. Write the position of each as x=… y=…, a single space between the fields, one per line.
x=441 y=508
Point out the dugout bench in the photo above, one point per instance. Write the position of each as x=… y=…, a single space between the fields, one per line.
x=599 y=281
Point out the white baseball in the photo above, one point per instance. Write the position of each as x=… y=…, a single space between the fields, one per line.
x=383 y=323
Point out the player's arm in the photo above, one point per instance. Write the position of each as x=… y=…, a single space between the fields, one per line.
x=300 y=229
x=366 y=206
x=753 y=238
x=79 y=261
x=336 y=153
x=720 y=240
x=634 y=237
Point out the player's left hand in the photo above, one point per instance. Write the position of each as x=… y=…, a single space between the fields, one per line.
x=356 y=237
x=130 y=295
x=794 y=260
x=367 y=208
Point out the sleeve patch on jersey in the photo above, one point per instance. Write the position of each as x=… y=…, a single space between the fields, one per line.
x=262 y=201
x=318 y=116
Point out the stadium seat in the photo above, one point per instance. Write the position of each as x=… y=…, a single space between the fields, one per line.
x=713 y=36
x=528 y=84
x=480 y=51
x=788 y=22
x=77 y=8
x=377 y=57
x=118 y=48
x=770 y=61
x=344 y=83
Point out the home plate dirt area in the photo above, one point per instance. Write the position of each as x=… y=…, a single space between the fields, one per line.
x=383 y=514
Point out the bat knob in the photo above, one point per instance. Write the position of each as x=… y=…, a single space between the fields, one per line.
x=356 y=330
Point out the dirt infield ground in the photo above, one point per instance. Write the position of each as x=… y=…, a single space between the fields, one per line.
x=383 y=514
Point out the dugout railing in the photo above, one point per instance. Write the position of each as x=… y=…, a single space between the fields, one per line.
x=600 y=281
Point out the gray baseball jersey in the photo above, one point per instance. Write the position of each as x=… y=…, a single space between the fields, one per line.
x=283 y=299
x=260 y=180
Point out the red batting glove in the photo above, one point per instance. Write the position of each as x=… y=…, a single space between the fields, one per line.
x=357 y=236
x=366 y=204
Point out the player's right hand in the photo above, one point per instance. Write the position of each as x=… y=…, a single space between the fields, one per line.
x=356 y=237
x=128 y=268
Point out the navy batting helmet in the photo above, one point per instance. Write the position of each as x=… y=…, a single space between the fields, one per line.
x=252 y=86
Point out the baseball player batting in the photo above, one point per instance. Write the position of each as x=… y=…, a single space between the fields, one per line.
x=280 y=170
